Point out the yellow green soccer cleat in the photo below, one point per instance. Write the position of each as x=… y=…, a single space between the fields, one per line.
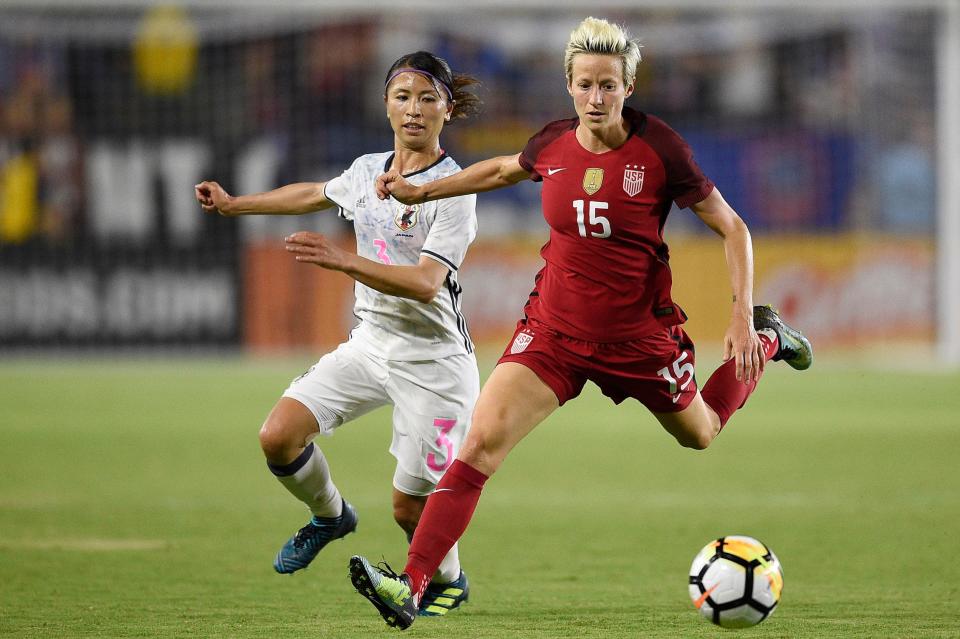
x=439 y=599
x=795 y=349
x=386 y=590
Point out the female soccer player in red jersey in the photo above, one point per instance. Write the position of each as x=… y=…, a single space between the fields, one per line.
x=410 y=349
x=601 y=308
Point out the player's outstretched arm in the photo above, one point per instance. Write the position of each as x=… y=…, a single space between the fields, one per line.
x=421 y=282
x=740 y=340
x=485 y=175
x=292 y=199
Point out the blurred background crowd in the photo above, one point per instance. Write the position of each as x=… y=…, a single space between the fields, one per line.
x=810 y=122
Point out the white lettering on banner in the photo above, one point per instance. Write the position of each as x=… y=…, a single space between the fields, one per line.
x=120 y=190
x=256 y=171
x=180 y=163
x=120 y=183
x=168 y=304
x=43 y=303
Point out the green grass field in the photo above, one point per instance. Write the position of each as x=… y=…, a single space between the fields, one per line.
x=134 y=502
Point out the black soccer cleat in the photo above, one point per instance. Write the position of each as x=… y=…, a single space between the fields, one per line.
x=439 y=599
x=794 y=349
x=301 y=549
x=386 y=590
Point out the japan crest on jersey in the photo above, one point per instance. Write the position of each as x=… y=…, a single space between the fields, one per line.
x=632 y=180
x=406 y=217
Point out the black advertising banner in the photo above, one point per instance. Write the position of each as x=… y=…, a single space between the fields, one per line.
x=117 y=296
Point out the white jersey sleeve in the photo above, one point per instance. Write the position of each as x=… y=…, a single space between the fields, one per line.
x=452 y=231
x=341 y=191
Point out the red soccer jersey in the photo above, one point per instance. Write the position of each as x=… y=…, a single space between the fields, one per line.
x=607 y=276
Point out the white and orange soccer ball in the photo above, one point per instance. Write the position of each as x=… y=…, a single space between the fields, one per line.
x=736 y=581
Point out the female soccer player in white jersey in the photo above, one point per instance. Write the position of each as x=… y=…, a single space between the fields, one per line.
x=411 y=348
x=601 y=308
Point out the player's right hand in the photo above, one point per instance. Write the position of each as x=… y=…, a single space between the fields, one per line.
x=742 y=343
x=393 y=184
x=212 y=197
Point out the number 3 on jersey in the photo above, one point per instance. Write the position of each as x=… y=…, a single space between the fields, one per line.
x=593 y=219
x=445 y=426
x=382 y=252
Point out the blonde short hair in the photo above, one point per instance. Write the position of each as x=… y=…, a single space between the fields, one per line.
x=597 y=36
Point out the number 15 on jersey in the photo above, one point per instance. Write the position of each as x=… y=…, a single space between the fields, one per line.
x=592 y=218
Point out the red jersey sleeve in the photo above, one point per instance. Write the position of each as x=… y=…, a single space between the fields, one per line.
x=546 y=135
x=686 y=183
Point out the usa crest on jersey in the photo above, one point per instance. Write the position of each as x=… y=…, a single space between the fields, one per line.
x=407 y=216
x=520 y=342
x=632 y=180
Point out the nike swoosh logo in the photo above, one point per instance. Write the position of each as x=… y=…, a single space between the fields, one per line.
x=552 y=171
x=699 y=602
x=440 y=490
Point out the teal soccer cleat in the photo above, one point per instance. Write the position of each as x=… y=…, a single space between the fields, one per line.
x=795 y=349
x=439 y=599
x=386 y=590
x=300 y=549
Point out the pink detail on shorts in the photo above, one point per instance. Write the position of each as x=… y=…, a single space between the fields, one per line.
x=520 y=342
x=382 y=251
x=445 y=426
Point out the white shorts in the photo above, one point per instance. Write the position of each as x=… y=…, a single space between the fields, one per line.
x=432 y=399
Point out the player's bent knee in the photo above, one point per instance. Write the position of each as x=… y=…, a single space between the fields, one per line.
x=278 y=441
x=286 y=431
x=406 y=518
x=693 y=427
x=695 y=441
x=272 y=442
x=482 y=453
x=407 y=510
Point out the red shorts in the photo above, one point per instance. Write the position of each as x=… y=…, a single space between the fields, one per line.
x=656 y=370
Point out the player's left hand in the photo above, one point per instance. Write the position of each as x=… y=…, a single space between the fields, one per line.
x=315 y=248
x=742 y=342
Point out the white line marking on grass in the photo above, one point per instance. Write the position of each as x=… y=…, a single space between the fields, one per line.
x=84 y=545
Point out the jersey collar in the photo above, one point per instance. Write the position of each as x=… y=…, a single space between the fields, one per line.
x=637 y=120
x=386 y=165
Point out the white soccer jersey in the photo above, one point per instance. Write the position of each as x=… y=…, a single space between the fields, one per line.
x=393 y=233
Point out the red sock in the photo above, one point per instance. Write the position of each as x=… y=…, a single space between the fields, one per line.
x=445 y=517
x=724 y=393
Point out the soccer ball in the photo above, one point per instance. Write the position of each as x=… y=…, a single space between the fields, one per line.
x=736 y=581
